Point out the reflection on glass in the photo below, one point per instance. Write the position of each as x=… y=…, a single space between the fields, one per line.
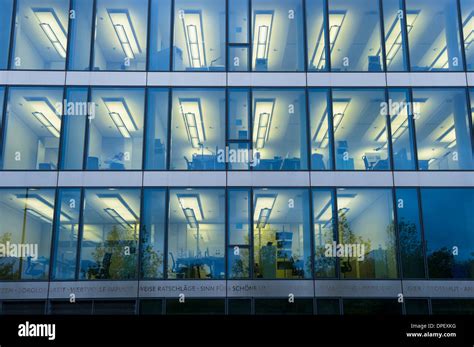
x=238 y=251
x=153 y=233
x=281 y=234
x=40 y=38
x=33 y=125
x=360 y=129
x=448 y=225
x=442 y=129
x=115 y=137
x=160 y=35
x=25 y=233
x=324 y=232
x=467 y=9
x=433 y=33
x=279 y=129
x=198 y=129
x=316 y=35
x=80 y=37
x=5 y=28
x=199 y=35
x=121 y=35
x=157 y=129
x=277 y=35
x=238 y=58
x=66 y=234
x=238 y=21
x=110 y=232
x=395 y=37
x=196 y=234
x=355 y=35
x=320 y=131
x=366 y=233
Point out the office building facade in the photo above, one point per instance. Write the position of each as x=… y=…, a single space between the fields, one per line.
x=236 y=157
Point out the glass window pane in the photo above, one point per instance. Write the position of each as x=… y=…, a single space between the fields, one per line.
x=395 y=37
x=452 y=306
x=196 y=234
x=283 y=307
x=157 y=129
x=32 y=128
x=380 y=307
x=160 y=35
x=416 y=307
x=196 y=307
x=81 y=35
x=448 y=225
x=198 y=129
x=434 y=39
x=40 y=39
x=328 y=307
x=76 y=113
x=324 y=232
x=238 y=58
x=355 y=35
x=239 y=306
x=442 y=129
x=199 y=35
x=279 y=129
x=238 y=21
x=409 y=233
x=401 y=111
x=316 y=35
x=115 y=136
x=467 y=8
x=238 y=113
x=114 y=307
x=360 y=129
x=66 y=234
x=366 y=233
x=5 y=29
x=121 y=35
x=320 y=132
x=239 y=233
x=25 y=233
x=277 y=35
x=153 y=233
x=282 y=248
x=151 y=307
x=110 y=232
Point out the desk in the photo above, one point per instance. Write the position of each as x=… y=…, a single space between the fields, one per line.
x=216 y=264
x=205 y=162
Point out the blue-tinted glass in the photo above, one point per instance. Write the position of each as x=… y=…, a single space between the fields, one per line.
x=81 y=35
x=160 y=35
x=238 y=21
x=32 y=128
x=467 y=13
x=76 y=113
x=238 y=58
x=355 y=35
x=442 y=129
x=198 y=129
x=153 y=233
x=157 y=129
x=110 y=231
x=409 y=233
x=366 y=233
x=121 y=35
x=360 y=129
x=277 y=35
x=316 y=35
x=115 y=137
x=448 y=225
x=199 y=35
x=279 y=129
x=238 y=250
x=25 y=233
x=324 y=232
x=5 y=29
x=395 y=36
x=66 y=234
x=238 y=112
x=434 y=35
x=400 y=110
x=281 y=234
x=196 y=234
x=40 y=39
x=320 y=132
x=2 y=99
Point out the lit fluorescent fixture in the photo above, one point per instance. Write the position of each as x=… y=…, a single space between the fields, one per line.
x=468 y=26
x=393 y=40
x=449 y=136
x=263 y=208
x=336 y=19
x=53 y=29
x=117 y=217
x=46 y=114
x=194 y=36
x=344 y=201
x=125 y=32
x=262 y=30
x=121 y=115
x=192 y=209
x=339 y=109
x=192 y=115
x=119 y=205
x=40 y=207
x=263 y=118
x=325 y=215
